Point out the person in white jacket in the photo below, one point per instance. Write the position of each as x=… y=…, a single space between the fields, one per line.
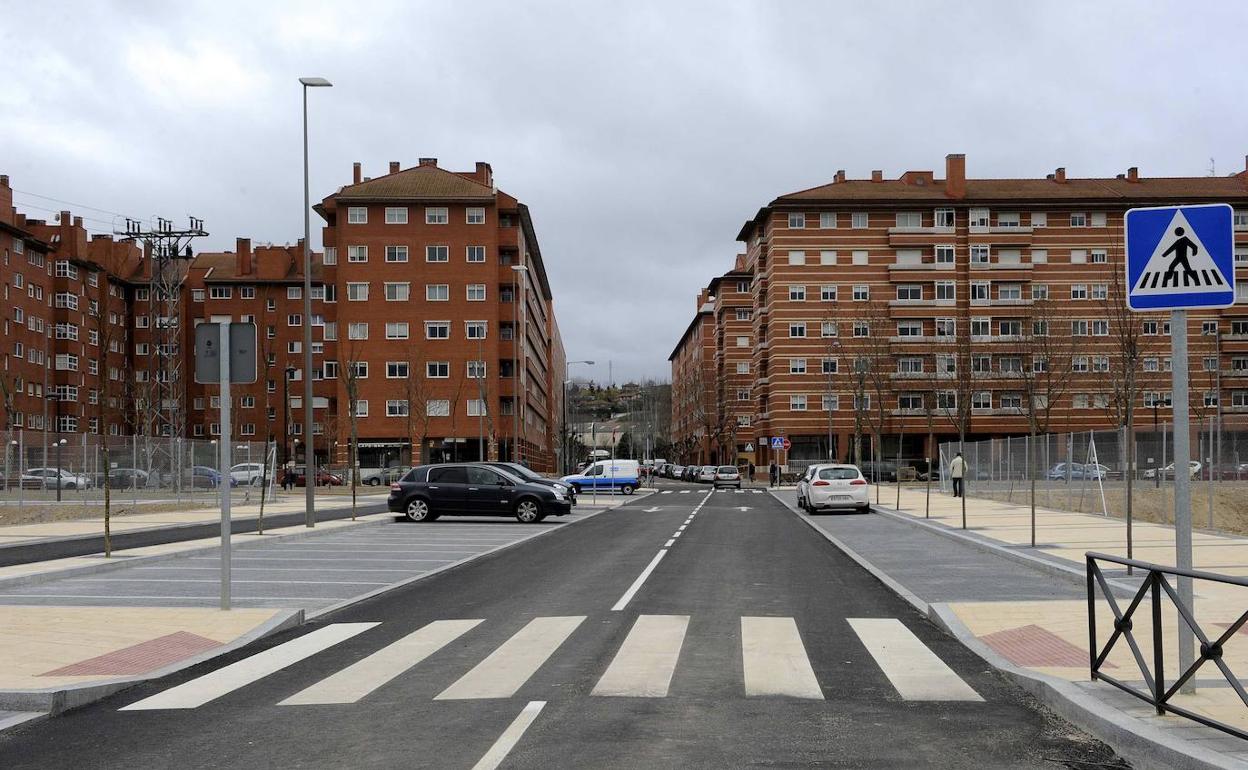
x=957 y=470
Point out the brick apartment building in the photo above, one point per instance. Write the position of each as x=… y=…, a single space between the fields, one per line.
x=420 y=320
x=874 y=303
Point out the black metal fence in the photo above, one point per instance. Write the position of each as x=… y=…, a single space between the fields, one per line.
x=1154 y=585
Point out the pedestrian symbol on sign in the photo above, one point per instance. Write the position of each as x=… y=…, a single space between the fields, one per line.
x=1180 y=257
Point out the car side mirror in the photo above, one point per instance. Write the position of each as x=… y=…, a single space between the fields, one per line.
x=503 y=483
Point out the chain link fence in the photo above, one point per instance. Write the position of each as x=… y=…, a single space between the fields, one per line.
x=1096 y=471
x=40 y=470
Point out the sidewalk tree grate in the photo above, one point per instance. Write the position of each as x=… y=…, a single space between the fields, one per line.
x=140 y=658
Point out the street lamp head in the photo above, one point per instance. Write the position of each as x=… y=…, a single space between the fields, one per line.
x=315 y=82
x=63 y=442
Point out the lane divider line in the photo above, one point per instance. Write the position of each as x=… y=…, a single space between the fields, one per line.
x=636 y=586
x=510 y=737
x=668 y=544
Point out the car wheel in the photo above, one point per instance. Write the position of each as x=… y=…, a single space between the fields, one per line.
x=70 y=485
x=418 y=510
x=627 y=489
x=864 y=508
x=374 y=482
x=528 y=511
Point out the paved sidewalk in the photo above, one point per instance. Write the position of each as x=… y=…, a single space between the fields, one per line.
x=1031 y=616
x=73 y=630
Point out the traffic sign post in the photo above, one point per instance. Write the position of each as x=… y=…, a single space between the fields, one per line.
x=226 y=352
x=1180 y=258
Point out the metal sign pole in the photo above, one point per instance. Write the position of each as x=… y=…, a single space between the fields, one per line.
x=1182 y=477
x=224 y=481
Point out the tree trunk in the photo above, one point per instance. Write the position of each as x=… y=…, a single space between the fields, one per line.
x=108 y=504
x=264 y=483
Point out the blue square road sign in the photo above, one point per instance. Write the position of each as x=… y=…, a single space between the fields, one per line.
x=1180 y=257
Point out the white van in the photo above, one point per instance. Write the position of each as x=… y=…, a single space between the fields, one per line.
x=622 y=475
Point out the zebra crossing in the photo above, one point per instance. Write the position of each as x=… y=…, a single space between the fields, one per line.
x=774 y=662
x=724 y=491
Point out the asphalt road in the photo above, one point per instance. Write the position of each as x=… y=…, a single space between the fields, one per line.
x=60 y=548
x=750 y=642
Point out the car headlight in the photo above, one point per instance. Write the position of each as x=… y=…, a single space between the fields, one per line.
x=558 y=492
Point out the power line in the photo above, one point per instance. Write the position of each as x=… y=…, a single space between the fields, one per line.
x=109 y=223
x=75 y=205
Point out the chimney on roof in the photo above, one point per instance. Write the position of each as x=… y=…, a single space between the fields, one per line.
x=6 y=200
x=955 y=175
x=355 y=173
x=840 y=176
x=485 y=174
x=243 y=263
x=1133 y=174
x=77 y=221
x=394 y=167
x=429 y=162
x=64 y=218
x=1059 y=175
x=877 y=176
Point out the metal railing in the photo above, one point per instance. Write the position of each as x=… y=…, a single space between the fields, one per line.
x=1153 y=586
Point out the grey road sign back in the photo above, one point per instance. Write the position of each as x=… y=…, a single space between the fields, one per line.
x=242 y=353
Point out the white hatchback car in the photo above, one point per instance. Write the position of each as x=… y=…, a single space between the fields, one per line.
x=832 y=486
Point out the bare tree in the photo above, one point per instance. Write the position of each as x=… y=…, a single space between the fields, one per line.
x=350 y=373
x=416 y=392
x=1045 y=374
x=955 y=403
x=874 y=351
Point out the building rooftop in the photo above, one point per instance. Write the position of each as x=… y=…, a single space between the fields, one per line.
x=423 y=182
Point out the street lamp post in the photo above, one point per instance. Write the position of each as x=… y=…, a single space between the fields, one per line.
x=519 y=322
x=309 y=489
x=567 y=437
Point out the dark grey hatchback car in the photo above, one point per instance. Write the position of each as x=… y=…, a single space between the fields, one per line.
x=471 y=489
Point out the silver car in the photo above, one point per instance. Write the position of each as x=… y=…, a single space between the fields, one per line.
x=727 y=476
x=831 y=486
x=706 y=474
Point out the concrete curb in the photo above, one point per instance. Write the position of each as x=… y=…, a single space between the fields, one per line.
x=120 y=561
x=1145 y=746
x=54 y=701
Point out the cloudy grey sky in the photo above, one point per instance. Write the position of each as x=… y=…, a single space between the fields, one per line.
x=642 y=134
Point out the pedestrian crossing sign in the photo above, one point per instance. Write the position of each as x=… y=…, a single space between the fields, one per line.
x=1180 y=257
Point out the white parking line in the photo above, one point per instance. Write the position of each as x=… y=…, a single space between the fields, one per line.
x=669 y=543
x=636 y=586
x=510 y=737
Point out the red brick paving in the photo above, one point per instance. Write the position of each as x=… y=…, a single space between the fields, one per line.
x=140 y=658
x=1033 y=646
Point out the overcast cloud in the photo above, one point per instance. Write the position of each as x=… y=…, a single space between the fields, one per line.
x=641 y=134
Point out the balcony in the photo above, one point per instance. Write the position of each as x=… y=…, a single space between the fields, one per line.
x=920 y=412
x=1001 y=302
x=921 y=303
x=1001 y=266
x=1000 y=235
x=932 y=266
x=919 y=236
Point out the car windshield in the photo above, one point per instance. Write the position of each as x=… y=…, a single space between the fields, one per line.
x=519 y=470
x=838 y=474
x=727 y=469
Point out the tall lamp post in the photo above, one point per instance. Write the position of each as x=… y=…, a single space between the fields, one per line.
x=310 y=458
x=567 y=437
x=520 y=320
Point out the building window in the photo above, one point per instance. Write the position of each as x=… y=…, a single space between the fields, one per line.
x=944 y=255
x=743 y=367
x=1100 y=327
x=396 y=253
x=980 y=255
x=437 y=370
x=859 y=258
x=476 y=292
x=220 y=292
x=357 y=215
x=1078 y=219
x=357 y=253
x=397 y=370
x=743 y=342
x=981 y=327
x=946 y=290
x=827 y=220
x=437 y=254
x=437 y=407
x=357 y=330
x=1078 y=328
x=397 y=292
x=1099 y=219
x=1100 y=256
x=331 y=256
x=827 y=293
x=797 y=257
x=396 y=330
x=437 y=330
x=797 y=403
x=475 y=215
x=911 y=219
x=476 y=253
x=862 y=293
x=396 y=215
x=828 y=329
x=909 y=292
x=909 y=328
x=859 y=220
x=907 y=365
x=476 y=407
x=797 y=220
x=294 y=319
x=357 y=292
x=437 y=292
x=797 y=293
x=743 y=314
x=797 y=329
x=475 y=330
x=861 y=329
x=436 y=215
x=1078 y=291
x=797 y=366
x=1009 y=219
x=476 y=370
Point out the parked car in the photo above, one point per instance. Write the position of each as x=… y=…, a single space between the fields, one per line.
x=879 y=471
x=690 y=473
x=323 y=477
x=377 y=477
x=833 y=486
x=676 y=472
x=203 y=477
x=473 y=489
x=1060 y=470
x=726 y=476
x=533 y=477
x=610 y=475
x=248 y=473
x=706 y=474
x=130 y=478
x=1167 y=472
x=47 y=478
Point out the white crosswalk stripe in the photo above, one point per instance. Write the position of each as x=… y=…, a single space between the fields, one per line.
x=684 y=491
x=666 y=492
x=507 y=668
x=912 y=668
x=775 y=661
x=644 y=665
x=225 y=680
x=360 y=678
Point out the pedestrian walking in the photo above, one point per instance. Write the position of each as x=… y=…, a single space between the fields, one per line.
x=774 y=473
x=751 y=476
x=957 y=470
